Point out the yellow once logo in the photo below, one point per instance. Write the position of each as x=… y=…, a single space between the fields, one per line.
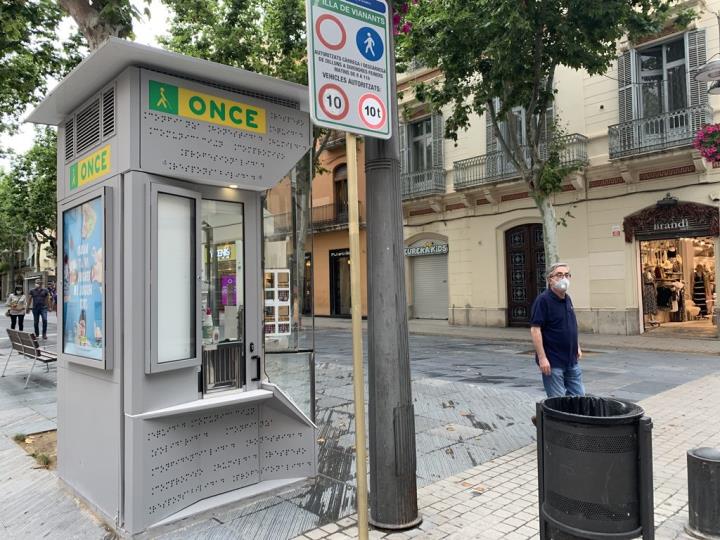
x=90 y=168
x=221 y=111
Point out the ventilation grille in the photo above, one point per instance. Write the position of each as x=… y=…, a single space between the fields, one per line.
x=88 y=126
x=108 y=112
x=69 y=139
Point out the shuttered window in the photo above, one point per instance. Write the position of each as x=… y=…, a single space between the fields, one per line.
x=661 y=78
x=421 y=144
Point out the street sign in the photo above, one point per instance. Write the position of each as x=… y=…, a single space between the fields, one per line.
x=349 y=66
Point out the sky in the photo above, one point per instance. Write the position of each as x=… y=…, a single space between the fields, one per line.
x=146 y=32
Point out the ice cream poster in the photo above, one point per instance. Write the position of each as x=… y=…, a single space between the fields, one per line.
x=83 y=285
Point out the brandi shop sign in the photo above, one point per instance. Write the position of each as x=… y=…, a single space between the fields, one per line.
x=671 y=218
x=427 y=248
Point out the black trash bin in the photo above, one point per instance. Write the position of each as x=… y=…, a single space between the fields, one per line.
x=594 y=469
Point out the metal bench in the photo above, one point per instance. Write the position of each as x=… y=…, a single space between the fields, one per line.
x=26 y=344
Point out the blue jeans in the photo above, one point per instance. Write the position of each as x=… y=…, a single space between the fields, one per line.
x=564 y=382
x=37 y=313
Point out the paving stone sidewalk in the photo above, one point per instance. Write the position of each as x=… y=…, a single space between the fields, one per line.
x=678 y=343
x=498 y=499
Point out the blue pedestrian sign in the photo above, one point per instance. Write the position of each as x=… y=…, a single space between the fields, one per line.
x=369 y=43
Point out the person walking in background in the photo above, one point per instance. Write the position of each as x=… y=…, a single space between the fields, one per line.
x=39 y=305
x=554 y=332
x=16 y=308
x=52 y=300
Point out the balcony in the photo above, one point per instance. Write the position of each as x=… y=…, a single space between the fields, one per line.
x=324 y=218
x=332 y=216
x=496 y=167
x=423 y=183
x=653 y=133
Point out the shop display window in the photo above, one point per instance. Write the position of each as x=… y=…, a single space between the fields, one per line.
x=678 y=283
x=277 y=320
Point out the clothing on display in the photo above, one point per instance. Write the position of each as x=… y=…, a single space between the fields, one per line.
x=678 y=280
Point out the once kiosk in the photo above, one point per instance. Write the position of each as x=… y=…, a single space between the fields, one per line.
x=162 y=160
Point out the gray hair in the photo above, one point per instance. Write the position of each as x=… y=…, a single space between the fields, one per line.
x=550 y=271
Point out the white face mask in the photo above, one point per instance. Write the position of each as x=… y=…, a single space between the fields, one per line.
x=562 y=284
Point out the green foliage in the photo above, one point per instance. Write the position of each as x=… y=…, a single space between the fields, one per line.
x=42 y=459
x=30 y=55
x=28 y=195
x=19 y=437
x=509 y=50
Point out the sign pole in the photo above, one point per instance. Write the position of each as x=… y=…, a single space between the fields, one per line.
x=356 y=309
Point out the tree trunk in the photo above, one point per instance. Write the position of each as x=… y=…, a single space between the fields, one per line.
x=550 y=237
x=300 y=200
x=88 y=20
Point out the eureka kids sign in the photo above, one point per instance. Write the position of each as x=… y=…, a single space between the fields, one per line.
x=90 y=168
x=179 y=101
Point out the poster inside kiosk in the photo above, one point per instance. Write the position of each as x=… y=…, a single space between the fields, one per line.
x=83 y=280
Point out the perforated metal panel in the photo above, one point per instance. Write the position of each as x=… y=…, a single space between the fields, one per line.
x=196 y=456
x=286 y=446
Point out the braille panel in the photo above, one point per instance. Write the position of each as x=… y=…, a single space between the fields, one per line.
x=286 y=446
x=197 y=456
x=197 y=150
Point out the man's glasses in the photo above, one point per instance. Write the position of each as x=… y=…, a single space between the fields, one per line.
x=561 y=275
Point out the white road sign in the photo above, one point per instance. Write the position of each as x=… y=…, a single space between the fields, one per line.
x=349 y=66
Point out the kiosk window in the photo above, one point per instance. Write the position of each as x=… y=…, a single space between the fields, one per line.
x=222 y=294
x=176 y=278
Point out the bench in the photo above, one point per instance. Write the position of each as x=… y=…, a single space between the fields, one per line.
x=26 y=344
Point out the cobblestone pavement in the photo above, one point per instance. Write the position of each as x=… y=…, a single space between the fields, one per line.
x=498 y=499
x=473 y=400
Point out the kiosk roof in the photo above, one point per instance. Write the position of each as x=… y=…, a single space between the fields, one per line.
x=113 y=56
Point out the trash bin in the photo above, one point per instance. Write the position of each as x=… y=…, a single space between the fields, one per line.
x=594 y=469
x=703 y=467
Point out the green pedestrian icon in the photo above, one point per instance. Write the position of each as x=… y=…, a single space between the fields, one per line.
x=163 y=97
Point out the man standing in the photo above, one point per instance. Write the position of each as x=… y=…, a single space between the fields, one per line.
x=39 y=305
x=554 y=331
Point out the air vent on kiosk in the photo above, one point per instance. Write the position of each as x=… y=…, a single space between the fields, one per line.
x=87 y=128
x=108 y=112
x=69 y=139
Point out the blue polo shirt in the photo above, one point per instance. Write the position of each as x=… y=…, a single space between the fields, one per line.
x=556 y=318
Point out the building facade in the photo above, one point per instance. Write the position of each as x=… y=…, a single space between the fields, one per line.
x=641 y=212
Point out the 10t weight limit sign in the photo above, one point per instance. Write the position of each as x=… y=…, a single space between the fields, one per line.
x=349 y=66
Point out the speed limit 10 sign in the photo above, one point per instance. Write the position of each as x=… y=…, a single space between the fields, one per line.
x=349 y=66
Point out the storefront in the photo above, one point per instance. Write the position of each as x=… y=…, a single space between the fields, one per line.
x=427 y=264
x=677 y=244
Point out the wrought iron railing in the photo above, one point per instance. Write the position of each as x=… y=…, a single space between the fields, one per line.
x=423 y=183
x=497 y=166
x=653 y=133
x=333 y=215
x=326 y=216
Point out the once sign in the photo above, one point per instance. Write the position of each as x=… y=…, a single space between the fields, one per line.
x=90 y=168
x=205 y=134
x=349 y=66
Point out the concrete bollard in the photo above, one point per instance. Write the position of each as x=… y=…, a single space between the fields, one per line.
x=703 y=467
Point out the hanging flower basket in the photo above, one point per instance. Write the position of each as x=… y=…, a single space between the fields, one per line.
x=707 y=142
